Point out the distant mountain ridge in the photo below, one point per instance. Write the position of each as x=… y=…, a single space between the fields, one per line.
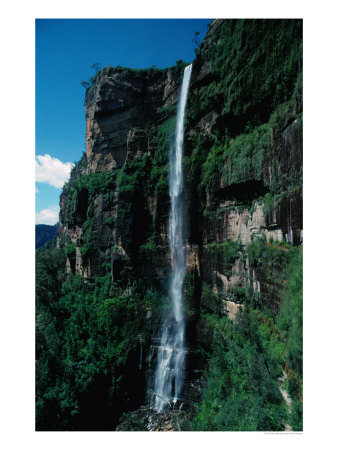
x=43 y=234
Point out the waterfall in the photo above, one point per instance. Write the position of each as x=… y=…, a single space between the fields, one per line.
x=169 y=372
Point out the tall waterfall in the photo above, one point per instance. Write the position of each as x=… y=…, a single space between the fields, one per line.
x=169 y=374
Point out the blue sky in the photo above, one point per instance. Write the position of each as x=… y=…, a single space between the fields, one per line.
x=65 y=51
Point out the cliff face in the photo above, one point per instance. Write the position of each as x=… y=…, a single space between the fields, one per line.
x=112 y=199
x=244 y=158
x=122 y=112
x=242 y=166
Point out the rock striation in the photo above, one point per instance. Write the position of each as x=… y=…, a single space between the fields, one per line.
x=123 y=108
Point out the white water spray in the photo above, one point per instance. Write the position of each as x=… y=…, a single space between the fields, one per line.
x=169 y=373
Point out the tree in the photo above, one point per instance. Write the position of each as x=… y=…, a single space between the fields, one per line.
x=197 y=40
x=85 y=84
x=96 y=66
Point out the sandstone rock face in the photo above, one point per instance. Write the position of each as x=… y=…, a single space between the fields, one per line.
x=122 y=109
x=241 y=225
x=232 y=309
x=128 y=226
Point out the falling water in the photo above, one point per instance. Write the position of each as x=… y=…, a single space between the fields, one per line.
x=169 y=374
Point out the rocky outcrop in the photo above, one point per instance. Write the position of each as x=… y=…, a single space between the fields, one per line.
x=122 y=110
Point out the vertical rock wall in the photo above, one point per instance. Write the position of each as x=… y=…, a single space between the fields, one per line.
x=114 y=210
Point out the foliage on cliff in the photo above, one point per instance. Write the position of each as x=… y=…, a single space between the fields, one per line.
x=241 y=387
x=242 y=384
x=86 y=347
x=255 y=65
x=251 y=104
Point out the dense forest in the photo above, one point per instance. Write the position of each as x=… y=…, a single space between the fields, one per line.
x=101 y=283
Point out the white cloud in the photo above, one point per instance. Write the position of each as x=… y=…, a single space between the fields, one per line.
x=48 y=216
x=51 y=170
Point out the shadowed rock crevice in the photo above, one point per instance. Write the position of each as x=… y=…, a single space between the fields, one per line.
x=81 y=207
x=242 y=192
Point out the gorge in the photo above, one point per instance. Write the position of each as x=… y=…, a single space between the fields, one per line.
x=234 y=264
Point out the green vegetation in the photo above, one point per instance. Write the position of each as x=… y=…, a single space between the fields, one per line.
x=244 y=155
x=130 y=181
x=97 y=182
x=147 y=252
x=86 y=346
x=70 y=249
x=241 y=159
x=131 y=185
x=269 y=260
x=224 y=255
x=211 y=167
x=255 y=89
x=255 y=65
x=93 y=184
x=241 y=388
x=210 y=300
x=290 y=322
x=197 y=41
x=111 y=221
x=291 y=315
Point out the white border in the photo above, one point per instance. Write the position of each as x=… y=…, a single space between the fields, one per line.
x=17 y=222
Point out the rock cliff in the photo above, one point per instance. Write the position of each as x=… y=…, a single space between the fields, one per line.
x=242 y=168
x=113 y=195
